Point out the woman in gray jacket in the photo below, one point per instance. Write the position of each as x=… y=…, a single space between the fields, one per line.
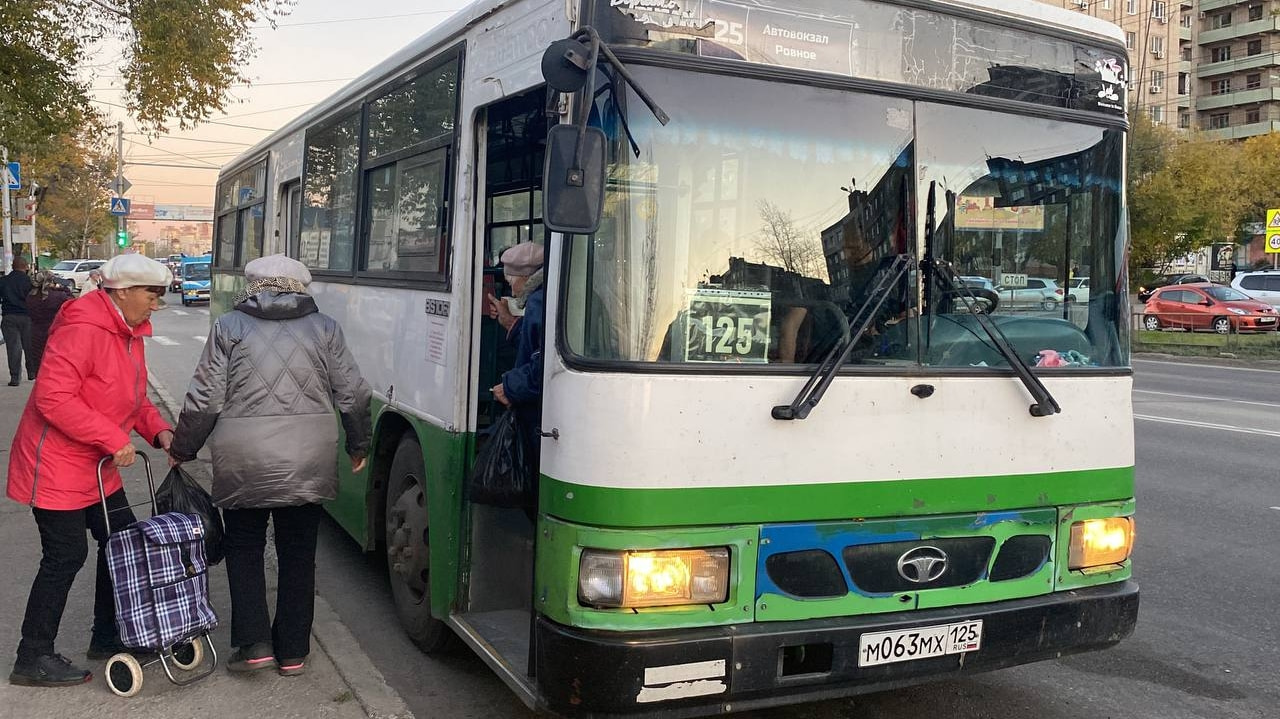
x=263 y=395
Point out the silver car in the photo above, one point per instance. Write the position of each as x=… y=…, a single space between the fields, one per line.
x=1040 y=293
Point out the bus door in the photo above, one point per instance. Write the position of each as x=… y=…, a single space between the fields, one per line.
x=499 y=555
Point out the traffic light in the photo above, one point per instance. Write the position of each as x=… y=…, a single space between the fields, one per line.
x=122 y=238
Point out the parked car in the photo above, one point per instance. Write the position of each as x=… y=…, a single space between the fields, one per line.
x=1261 y=285
x=1040 y=292
x=1206 y=306
x=1144 y=291
x=1078 y=290
x=76 y=271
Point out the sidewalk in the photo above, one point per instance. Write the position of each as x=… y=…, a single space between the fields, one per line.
x=340 y=682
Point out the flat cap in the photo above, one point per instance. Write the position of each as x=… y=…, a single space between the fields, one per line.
x=135 y=271
x=522 y=260
x=277 y=266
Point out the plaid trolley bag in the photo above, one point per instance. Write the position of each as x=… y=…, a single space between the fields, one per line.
x=158 y=572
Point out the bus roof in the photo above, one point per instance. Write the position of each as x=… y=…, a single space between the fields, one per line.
x=1032 y=11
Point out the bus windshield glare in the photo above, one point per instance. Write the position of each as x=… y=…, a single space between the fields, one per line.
x=748 y=232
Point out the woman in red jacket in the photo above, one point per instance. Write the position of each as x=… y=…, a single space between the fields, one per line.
x=91 y=392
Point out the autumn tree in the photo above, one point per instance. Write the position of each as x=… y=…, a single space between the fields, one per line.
x=76 y=176
x=781 y=244
x=1185 y=192
x=177 y=60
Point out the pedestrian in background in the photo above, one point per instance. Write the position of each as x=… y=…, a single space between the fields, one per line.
x=92 y=393
x=15 y=324
x=263 y=396
x=93 y=282
x=47 y=297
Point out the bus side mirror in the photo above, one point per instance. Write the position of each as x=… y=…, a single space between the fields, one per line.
x=573 y=181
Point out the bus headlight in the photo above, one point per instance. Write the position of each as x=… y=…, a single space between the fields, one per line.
x=659 y=578
x=1098 y=542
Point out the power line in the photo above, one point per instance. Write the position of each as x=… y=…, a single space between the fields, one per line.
x=170 y=152
x=195 y=139
x=251 y=84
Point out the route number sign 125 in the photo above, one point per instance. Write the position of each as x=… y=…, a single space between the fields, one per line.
x=727 y=326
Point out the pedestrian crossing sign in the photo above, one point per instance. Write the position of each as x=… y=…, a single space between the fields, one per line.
x=120 y=206
x=1273 y=232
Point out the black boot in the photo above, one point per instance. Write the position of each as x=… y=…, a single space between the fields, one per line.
x=14 y=381
x=48 y=670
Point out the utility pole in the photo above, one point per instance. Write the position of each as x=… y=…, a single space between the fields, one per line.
x=119 y=187
x=35 y=256
x=8 y=216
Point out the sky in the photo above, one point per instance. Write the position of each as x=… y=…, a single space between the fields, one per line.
x=312 y=53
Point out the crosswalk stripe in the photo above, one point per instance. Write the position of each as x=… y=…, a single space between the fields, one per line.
x=162 y=340
x=200 y=338
x=181 y=312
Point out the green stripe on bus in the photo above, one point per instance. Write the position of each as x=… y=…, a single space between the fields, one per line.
x=687 y=506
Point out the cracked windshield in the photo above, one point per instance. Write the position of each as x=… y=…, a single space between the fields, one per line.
x=748 y=233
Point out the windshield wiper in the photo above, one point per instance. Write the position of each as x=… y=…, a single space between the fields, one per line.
x=1045 y=404
x=817 y=385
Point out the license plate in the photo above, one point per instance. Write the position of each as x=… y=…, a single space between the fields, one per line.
x=1266 y=320
x=905 y=645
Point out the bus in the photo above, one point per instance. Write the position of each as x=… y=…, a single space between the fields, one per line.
x=791 y=449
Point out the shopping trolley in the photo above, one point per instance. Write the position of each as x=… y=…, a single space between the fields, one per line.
x=158 y=575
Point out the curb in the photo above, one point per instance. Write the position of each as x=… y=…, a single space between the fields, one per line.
x=367 y=684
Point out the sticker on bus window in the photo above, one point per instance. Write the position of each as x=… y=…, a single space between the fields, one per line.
x=727 y=326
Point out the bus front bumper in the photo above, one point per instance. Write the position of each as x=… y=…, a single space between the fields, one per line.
x=676 y=673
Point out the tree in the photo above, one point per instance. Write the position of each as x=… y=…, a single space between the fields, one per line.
x=782 y=245
x=74 y=211
x=1185 y=192
x=178 y=60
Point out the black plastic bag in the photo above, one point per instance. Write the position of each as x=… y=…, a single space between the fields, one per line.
x=502 y=475
x=179 y=492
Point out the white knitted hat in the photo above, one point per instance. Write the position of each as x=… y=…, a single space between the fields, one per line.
x=135 y=271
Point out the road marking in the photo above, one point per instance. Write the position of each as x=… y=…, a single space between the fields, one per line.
x=1276 y=508
x=200 y=338
x=184 y=313
x=1207 y=399
x=1208 y=425
x=1207 y=366
x=162 y=340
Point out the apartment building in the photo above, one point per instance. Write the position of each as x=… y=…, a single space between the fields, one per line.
x=1213 y=65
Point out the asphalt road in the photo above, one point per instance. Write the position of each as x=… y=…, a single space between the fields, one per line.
x=1205 y=648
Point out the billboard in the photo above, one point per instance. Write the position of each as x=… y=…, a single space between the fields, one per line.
x=981 y=213
x=181 y=213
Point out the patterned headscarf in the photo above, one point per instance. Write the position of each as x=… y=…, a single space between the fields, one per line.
x=44 y=281
x=271 y=284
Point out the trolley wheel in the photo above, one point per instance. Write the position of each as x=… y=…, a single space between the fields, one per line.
x=408 y=551
x=188 y=655
x=124 y=675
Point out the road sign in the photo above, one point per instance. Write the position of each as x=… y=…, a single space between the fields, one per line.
x=1273 y=232
x=122 y=185
x=1010 y=280
x=120 y=206
x=23 y=234
x=13 y=176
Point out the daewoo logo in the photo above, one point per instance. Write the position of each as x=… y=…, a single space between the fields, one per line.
x=922 y=565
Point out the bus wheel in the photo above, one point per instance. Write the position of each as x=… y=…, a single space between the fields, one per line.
x=408 y=555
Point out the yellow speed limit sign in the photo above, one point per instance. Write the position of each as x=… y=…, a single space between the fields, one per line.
x=1273 y=231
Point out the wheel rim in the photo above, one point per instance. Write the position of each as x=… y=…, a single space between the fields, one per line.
x=1153 y=323
x=1222 y=326
x=407 y=547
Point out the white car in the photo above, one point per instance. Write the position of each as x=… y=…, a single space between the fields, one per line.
x=1078 y=290
x=1263 y=285
x=1040 y=292
x=76 y=271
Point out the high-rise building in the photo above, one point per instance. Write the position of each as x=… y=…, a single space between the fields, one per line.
x=1213 y=65
x=1161 y=38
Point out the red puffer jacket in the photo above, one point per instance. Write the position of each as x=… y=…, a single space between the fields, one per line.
x=92 y=390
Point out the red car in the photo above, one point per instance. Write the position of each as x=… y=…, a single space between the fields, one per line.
x=1206 y=306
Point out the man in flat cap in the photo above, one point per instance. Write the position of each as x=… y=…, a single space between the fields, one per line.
x=91 y=394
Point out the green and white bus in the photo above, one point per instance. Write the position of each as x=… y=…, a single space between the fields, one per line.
x=872 y=204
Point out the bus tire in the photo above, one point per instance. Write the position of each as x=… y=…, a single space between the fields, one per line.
x=408 y=548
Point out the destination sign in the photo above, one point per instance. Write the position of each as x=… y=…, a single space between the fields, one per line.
x=880 y=41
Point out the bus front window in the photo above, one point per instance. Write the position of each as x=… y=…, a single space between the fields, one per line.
x=745 y=231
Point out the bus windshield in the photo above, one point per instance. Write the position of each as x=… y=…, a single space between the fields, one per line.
x=748 y=230
x=196 y=271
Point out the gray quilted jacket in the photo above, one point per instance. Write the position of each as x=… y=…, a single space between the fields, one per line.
x=263 y=396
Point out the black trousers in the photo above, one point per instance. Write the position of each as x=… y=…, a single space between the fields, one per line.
x=64 y=549
x=17 y=340
x=244 y=541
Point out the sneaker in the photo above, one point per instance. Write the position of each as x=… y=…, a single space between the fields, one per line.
x=48 y=670
x=291 y=667
x=252 y=658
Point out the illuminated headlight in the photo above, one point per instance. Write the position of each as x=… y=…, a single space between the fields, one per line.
x=1237 y=311
x=1099 y=542
x=658 y=578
